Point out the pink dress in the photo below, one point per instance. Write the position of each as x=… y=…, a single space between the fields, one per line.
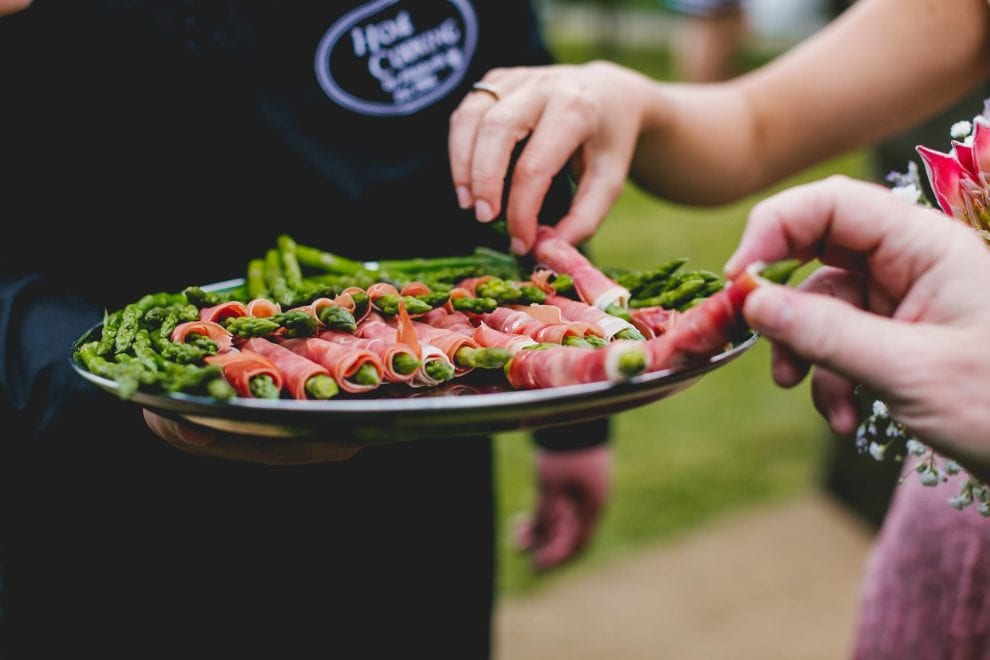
x=926 y=594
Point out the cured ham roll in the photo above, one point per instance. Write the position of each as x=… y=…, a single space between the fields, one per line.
x=212 y=331
x=519 y=322
x=707 y=328
x=263 y=308
x=389 y=353
x=433 y=359
x=342 y=361
x=223 y=311
x=239 y=367
x=456 y=321
x=447 y=341
x=489 y=337
x=558 y=366
x=346 y=299
x=295 y=369
x=594 y=287
x=654 y=321
x=575 y=310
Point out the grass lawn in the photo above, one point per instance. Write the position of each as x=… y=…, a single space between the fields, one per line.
x=731 y=440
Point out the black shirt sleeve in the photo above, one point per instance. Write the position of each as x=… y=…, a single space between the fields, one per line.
x=37 y=328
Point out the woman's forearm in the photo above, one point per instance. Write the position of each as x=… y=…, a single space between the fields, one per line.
x=881 y=67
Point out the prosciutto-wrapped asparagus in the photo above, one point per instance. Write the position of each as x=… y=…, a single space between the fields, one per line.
x=356 y=370
x=304 y=379
x=705 y=329
x=250 y=374
x=558 y=366
x=594 y=287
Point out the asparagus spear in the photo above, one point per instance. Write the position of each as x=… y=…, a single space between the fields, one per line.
x=595 y=342
x=337 y=318
x=405 y=364
x=532 y=294
x=365 y=375
x=503 y=292
x=263 y=387
x=327 y=261
x=389 y=304
x=630 y=333
x=111 y=322
x=296 y=324
x=474 y=305
x=196 y=296
x=439 y=370
x=290 y=263
x=275 y=280
x=247 y=327
x=580 y=342
x=482 y=358
x=321 y=387
x=256 y=279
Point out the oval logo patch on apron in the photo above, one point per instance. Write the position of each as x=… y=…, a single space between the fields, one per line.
x=389 y=58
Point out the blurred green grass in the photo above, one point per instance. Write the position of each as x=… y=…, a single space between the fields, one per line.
x=731 y=440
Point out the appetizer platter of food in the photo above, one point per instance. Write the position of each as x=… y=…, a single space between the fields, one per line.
x=313 y=344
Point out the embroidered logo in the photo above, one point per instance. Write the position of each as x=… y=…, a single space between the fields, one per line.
x=389 y=58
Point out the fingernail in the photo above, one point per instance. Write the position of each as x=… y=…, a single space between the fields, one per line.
x=769 y=309
x=463 y=197
x=517 y=247
x=483 y=211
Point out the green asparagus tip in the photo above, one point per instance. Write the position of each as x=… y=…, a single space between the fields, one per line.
x=780 y=271
x=632 y=363
x=532 y=294
x=630 y=333
x=405 y=364
x=595 y=341
x=296 y=324
x=577 y=342
x=219 y=388
x=619 y=312
x=263 y=387
x=482 y=358
x=474 y=305
x=321 y=387
x=366 y=375
x=440 y=370
x=338 y=318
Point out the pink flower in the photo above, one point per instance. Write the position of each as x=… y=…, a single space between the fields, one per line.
x=960 y=179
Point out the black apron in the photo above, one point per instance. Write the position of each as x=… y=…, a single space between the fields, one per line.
x=150 y=145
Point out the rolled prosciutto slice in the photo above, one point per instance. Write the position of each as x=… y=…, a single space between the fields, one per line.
x=239 y=367
x=456 y=321
x=435 y=366
x=391 y=355
x=296 y=370
x=223 y=311
x=263 y=308
x=575 y=310
x=213 y=331
x=594 y=287
x=447 y=341
x=518 y=322
x=653 y=321
x=489 y=337
x=346 y=299
x=343 y=362
x=707 y=328
x=560 y=365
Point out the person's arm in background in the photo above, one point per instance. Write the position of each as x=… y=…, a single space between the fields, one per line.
x=880 y=67
x=11 y=6
x=902 y=307
x=573 y=471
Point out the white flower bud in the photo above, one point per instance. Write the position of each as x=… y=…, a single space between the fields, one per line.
x=960 y=130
